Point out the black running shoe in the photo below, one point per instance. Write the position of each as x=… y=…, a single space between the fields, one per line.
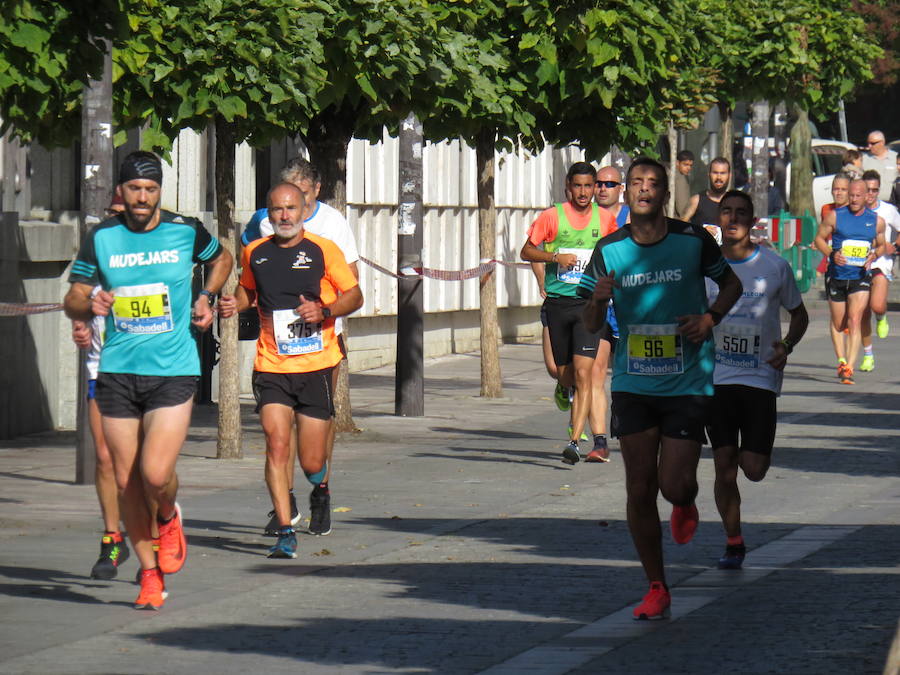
x=733 y=558
x=320 y=511
x=274 y=527
x=571 y=455
x=113 y=552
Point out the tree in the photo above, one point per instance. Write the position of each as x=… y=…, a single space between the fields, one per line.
x=48 y=52
x=250 y=70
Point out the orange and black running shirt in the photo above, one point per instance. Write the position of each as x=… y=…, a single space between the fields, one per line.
x=314 y=268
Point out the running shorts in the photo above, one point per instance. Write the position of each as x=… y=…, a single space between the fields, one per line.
x=748 y=411
x=838 y=289
x=308 y=394
x=568 y=335
x=126 y=395
x=679 y=417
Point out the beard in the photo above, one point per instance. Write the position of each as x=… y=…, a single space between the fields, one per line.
x=140 y=220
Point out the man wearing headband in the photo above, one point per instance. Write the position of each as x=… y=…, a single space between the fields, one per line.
x=143 y=262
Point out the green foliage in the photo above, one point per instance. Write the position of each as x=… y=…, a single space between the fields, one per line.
x=257 y=66
x=48 y=50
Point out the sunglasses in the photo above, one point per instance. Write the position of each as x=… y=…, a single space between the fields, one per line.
x=607 y=184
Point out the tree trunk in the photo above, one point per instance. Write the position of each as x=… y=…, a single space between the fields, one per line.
x=96 y=191
x=327 y=140
x=673 y=153
x=726 y=137
x=759 y=182
x=229 y=438
x=801 y=165
x=491 y=380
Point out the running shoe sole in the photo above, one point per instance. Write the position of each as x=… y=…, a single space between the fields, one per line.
x=571 y=456
x=666 y=613
x=596 y=456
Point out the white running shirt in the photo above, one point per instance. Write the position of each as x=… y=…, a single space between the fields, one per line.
x=891 y=218
x=744 y=337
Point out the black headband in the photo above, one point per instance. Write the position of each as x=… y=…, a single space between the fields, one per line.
x=141 y=165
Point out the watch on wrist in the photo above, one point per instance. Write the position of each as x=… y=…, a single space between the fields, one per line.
x=210 y=296
x=716 y=316
x=788 y=345
x=326 y=312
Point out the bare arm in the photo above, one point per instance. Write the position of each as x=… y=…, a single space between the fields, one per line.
x=796 y=330
x=77 y=303
x=229 y=305
x=538 y=270
x=697 y=327
x=217 y=270
x=691 y=208
x=824 y=234
x=532 y=253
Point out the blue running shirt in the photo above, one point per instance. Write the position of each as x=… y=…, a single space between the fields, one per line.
x=657 y=283
x=148 y=331
x=853 y=236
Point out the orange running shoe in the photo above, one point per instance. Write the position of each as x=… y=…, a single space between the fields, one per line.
x=847 y=375
x=172 y=544
x=683 y=523
x=153 y=590
x=655 y=604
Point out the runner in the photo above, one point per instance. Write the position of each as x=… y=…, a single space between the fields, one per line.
x=300 y=283
x=149 y=364
x=840 y=189
x=322 y=220
x=750 y=360
x=568 y=233
x=857 y=239
x=882 y=270
x=654 y=270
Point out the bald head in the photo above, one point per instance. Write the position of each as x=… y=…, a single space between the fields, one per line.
x=608 y=188
x=857 y=195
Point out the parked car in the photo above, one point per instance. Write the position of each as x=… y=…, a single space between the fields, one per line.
x=826 y=162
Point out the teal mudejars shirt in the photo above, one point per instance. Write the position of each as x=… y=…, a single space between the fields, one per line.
x=148 y=331
x=657 y=283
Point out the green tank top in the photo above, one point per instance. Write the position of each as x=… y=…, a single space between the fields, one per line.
x=561 y=281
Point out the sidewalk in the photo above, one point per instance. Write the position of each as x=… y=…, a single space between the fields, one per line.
x=461 y=543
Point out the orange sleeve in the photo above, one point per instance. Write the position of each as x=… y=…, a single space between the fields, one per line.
x=607 y=221
x=544 y=228
x=247 y=279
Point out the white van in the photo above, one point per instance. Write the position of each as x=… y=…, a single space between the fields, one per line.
x=826 y=162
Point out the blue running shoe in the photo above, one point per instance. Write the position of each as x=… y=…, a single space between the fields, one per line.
x=733 y=558
x=571 y=453
x=286 y=546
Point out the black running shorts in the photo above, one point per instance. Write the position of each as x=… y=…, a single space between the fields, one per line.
x=131 y=396
x=837 y=290
x=679 y=417
x=306 y=393
x=748 y=411
x=568 y=335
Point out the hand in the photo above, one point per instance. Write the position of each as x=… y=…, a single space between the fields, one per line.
x=227 y=306
x=81 y=334
x=778 y=360
x=839 y=258
x=203 y=314
x=603 y=291
x=695 y=327
x=102 y=303
x=567 y=260
x=310 y=311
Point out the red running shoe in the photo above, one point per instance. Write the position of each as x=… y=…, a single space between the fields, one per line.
x=172 y=544
x=683 y=523
x=152 y=595
x=655 y=604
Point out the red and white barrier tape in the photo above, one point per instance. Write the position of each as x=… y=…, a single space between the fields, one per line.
x=445 y=275
x=24 y=308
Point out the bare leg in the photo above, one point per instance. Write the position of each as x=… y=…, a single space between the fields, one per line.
x=640 y=453
x=330 y=441
x=277 y=422
x=104 y=474
x=856 y=305
x=549 y=363
x=581 y=404
x=728 y=497
x=599 y=402
x=838 y=323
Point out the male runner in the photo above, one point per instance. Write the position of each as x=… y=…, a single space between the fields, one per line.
x=750 y=360
x=568 y=233
x=882 y=270
x=857 y=239
x=320 y=219
x=149 y=364
x=654 y=271
x=608 y=190
x=300 y=283
x=704 y=207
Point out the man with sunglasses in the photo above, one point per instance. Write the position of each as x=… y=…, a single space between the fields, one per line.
x=608 y=193
x=881 y=159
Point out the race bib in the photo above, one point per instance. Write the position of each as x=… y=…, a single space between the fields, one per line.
x=573 y=275
x=293 y=335
x=855 y=251
x=142 y=309
x=737 y=345
x=654 y=349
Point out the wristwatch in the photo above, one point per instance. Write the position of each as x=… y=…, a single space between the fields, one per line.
x=210 y=296
x=326 y=312
x=716 y=316
x=788 y=345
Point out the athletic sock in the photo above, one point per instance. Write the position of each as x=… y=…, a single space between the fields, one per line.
x=844 y=361
x=879 y=317
x=599 y=439
x=867 y=351
x=163 y=521
x=736 y=541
